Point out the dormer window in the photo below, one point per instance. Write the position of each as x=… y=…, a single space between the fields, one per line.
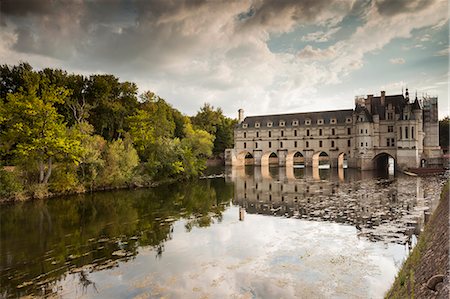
x=307 y=121
x=256 y=125
x=332 y=121
x=244 y=126
x=282 y=123
x=269 y=124
x=320 y=121
x=295 y=123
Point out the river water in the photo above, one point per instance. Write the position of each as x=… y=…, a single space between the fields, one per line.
x=255 y=233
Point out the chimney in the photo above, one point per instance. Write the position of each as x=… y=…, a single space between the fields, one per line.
x=383 y=97
x=368 y=102
x=240 y=115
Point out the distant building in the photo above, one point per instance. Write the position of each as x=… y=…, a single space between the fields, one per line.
x=381 y=131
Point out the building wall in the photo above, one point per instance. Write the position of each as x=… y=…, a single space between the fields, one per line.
x=408 y=135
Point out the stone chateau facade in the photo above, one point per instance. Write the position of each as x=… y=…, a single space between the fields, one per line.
x=379 y=130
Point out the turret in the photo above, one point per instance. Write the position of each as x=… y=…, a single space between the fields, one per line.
x=240 y=115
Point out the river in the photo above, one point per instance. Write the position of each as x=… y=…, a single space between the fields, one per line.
x=254 y=233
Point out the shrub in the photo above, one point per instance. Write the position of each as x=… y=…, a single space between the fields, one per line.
x=10 y=185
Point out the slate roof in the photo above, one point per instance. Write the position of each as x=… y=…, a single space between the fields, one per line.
x=339 y=115
x=397 y=101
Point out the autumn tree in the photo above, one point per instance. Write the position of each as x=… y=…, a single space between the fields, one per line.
x=33 y=129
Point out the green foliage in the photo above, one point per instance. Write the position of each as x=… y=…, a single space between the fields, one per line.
x=68 y=133
x=216 y=124
x=10 y=185
x=444 y=133
x=121 y=160
x=65 y=179
x=33 y=128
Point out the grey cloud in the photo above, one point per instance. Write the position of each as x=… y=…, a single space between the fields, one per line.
x=394 y=7
x=26 y=7
x=282 y=15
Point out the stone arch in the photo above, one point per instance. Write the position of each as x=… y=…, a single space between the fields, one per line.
x=321 y=160
x=245 y=158
x=269 y=158
x=385 y=163
x=296 y=159
x=342 y=160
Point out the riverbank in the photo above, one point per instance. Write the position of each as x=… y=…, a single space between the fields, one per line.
x=425 y=274
x=37 y=195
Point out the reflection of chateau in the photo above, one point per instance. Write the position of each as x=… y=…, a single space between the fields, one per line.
x=391 y=211
x=378 y=128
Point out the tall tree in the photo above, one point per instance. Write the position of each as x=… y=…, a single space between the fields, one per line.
x=34 y=131
x=214 y=122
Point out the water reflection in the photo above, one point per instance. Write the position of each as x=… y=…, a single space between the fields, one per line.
x=390 y=210
x=187 y=241
x=43 y=241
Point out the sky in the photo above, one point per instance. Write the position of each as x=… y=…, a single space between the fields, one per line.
x=265 y=56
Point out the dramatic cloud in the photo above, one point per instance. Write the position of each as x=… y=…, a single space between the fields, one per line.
x=192 y=52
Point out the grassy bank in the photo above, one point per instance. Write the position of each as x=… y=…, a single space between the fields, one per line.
x=428 y=258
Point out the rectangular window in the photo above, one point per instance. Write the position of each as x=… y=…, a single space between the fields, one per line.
x=295 y=143
x=320 y=132
x=349 y=131
x=406 y=133
x=392 y=142
x=412 y=132
x=245 y=145
x=256 y=144
x=282 y=133
x=307 y=132
x=245 y=134
x=295 y=133
x=362 y=131
x=349 y=143
x=367 y=144
x=257 y=134
x=388 y=142
x=390 y=115
x=270 y=134
x=362 y=144
x=307 y=144
x=270 y=144
x=366 y=131
x=332 y=143
x=333 y=131
x=281 y=144
x=320 y=143
x=390 y=129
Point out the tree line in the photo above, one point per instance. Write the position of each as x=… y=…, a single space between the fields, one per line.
x=62 y=132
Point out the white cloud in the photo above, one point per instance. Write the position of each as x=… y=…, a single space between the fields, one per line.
x=443 y=52
x=320 y=36
x=192 y=52
x=397 y=60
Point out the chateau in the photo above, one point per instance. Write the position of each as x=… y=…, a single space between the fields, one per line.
x=390 y=131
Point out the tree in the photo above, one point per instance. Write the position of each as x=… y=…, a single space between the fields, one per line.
x=444 y=125
x=121 y=160
x=214 y=122
x=34 y=131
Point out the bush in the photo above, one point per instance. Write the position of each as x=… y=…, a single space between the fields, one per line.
x=121 y=161
x=65 y=180
x=10 y=185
